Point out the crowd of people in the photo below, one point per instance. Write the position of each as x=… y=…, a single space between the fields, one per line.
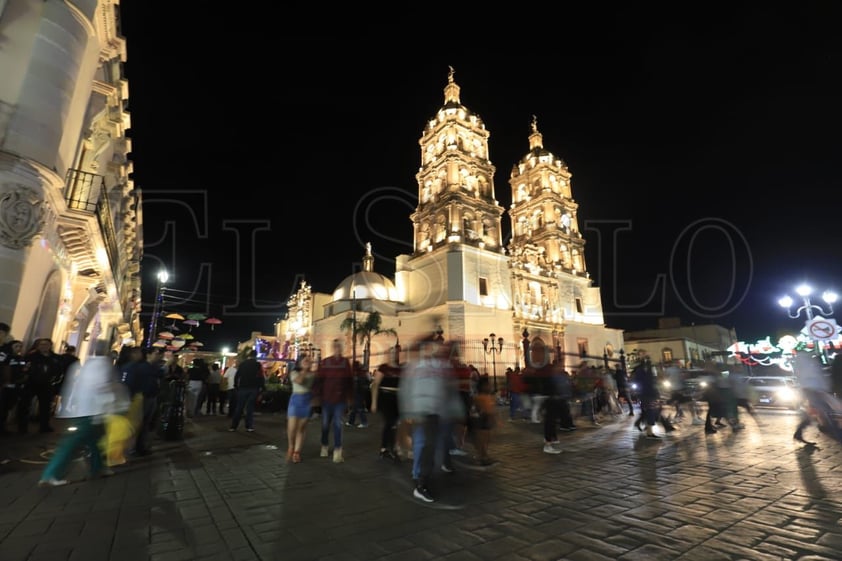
x=432 y=405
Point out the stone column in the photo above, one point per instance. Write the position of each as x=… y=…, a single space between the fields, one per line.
x=22 y=214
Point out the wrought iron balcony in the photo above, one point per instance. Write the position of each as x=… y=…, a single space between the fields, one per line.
x=86 y=192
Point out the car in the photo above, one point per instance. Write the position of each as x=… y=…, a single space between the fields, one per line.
x=775 y=391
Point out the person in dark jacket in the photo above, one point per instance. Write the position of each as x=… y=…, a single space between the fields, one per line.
x=45 y=371
x=144 y=376
x=333 y=388
x=249 y=382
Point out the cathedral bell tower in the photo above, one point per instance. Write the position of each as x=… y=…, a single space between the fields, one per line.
x=456 y=202
x=547 y=249
x=458 y=268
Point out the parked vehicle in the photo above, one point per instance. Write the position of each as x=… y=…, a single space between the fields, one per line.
x=776 y=391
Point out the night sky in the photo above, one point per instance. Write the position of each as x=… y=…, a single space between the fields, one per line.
x=705 y=154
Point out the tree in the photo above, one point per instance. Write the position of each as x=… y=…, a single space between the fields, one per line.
x=365 y=330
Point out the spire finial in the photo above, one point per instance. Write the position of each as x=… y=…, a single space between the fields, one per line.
x=450 y=75
x=534 y=124
x=368 y=259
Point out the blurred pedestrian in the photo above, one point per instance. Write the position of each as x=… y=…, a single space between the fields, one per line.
x=91 y=392
x=249 y=382
x=384 y=399
x=486 y=406
x=816 y=389
x=213 y=382
x=426 y=399
x=334 y=390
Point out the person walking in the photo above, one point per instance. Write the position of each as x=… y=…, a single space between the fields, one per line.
x=424 y=399
x=229 y=376
x=362 y=386
x=197 y=376
x=91 y=392
x=816 y=389
x=384 y=398
x=249 y=382
x=333 y=388
x=298 y=410
x=621 y=380
x=213 y=383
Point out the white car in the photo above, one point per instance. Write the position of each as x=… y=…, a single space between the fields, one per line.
x=776 y=391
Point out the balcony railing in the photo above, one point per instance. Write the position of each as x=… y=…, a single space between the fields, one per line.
x=86 y=192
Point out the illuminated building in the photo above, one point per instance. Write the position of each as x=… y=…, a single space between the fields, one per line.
x=70 y=217
x=460 y=278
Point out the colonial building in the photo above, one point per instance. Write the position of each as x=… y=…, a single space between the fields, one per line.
x=460 y=279
x=70 y=217
x=688 y=345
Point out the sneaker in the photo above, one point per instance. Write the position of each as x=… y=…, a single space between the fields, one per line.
x=347 y=424
x=388 y=455
x=550 y=449
x=52 y=482
x=799 y=438
x=447 y=469
x=362 y=426
x=337 y=456
x=324 y=452
x=249 y=430
x=423 y=493
x=458 y=452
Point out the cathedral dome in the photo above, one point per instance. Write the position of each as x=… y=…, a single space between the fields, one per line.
x=366 y=285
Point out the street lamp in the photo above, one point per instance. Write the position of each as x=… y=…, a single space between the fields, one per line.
x=817 y=328
x=494 y=348
x=162 y=277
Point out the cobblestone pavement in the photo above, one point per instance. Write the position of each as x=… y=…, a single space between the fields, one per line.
x=611 y=495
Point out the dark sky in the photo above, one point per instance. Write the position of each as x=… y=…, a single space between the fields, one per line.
x=705 y=153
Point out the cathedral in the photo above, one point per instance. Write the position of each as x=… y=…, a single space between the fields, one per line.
x=461 y=280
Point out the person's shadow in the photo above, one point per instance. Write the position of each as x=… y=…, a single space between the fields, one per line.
x=808 y=472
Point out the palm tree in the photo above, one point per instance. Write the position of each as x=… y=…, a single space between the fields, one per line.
x=365 y=330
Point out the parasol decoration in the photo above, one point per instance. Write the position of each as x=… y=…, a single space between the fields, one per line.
x=177 y=343
x=186 y=336
x=213 y=322
x=159 y=343
x=165 y=335
x=174 y=317
x=191 y=322
x=197 y=317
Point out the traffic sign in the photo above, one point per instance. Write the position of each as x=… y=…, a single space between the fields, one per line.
x=821 y=329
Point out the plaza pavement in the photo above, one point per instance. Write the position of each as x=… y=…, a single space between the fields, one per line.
x=611 y=495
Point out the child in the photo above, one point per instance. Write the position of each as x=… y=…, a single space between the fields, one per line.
x=485 y=405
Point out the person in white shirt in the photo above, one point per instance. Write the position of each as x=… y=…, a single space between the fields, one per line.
x=231 y=392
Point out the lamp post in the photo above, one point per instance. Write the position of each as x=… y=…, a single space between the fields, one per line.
x=493 y=347
x=816 y=327
x=162 y=277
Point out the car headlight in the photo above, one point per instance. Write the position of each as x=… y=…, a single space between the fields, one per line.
x=667 y=384
x=786 y=394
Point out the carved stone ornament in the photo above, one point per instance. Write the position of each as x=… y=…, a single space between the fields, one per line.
x=21 y=216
